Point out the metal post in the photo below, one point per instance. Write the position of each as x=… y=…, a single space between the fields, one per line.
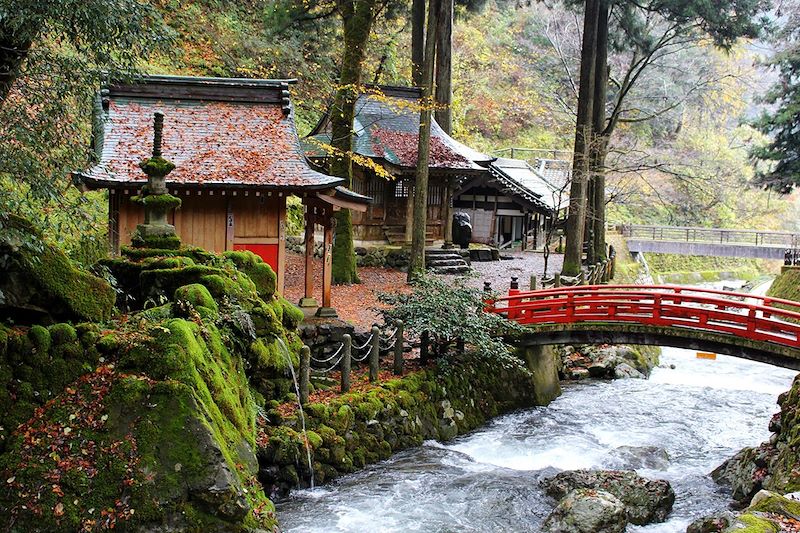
x=398 y=349
x=347 y=350
x=374 y=353
x=305 y=373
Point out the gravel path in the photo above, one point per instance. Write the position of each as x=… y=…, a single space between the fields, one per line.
x=520 y=264
x=357 y=303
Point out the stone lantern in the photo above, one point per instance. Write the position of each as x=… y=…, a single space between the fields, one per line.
x=156 y=232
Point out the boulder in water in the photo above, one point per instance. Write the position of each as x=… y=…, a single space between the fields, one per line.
x=626 y=371
x=745 y=472
x=711 y=524
x=645 y=500
x=587 y=511
x=635 y=457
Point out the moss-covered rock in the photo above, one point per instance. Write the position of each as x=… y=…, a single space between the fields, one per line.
x=256 y=269
x=41 y=277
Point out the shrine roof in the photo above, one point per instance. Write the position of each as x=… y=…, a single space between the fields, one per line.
x=219 y=132
x=386 y=127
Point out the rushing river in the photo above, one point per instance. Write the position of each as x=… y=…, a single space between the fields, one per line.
x=700 y=412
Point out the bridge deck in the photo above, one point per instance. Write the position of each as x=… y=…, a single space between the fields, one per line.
x=687 y=240
x=742 y=322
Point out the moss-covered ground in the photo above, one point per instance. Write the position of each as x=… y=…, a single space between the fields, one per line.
x=149 y=421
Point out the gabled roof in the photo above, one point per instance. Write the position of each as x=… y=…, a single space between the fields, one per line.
x=386 y=127
x=523 y=181
x=219 y=132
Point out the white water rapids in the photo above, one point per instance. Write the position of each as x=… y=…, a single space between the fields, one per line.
x=701 y=413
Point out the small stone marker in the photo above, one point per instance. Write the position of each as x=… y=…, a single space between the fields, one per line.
x=347 y=349
x=374 y=353
x=398 y=349
x=305 y=373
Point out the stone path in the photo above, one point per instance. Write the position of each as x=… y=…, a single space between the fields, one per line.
x=356 y=303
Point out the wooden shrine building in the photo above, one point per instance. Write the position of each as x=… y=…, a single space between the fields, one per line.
x=237 y=157
x=386 y=130
x=511 y=206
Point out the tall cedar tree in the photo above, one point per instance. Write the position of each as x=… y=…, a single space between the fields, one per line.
x=417 y=264
x=782 y=153
x=358 y=17
x=724 y=22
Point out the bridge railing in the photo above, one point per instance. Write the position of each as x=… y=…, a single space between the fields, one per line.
x=758 y=318
x=711 y=235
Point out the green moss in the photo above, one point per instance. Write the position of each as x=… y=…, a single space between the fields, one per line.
x=156 y=242
x=754 y=524
x=257 y=270
x=163 y=201
x=83 y=295
x=196 y=296
x=157 y=166
x=40 y=337
x=292 y=315
x=170 y=262
x=62 y=334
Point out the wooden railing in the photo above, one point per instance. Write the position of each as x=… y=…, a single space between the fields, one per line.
x=711 y=235
x=742 y=315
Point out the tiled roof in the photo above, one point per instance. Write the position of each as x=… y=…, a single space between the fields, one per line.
x=386 y=127
x=217 y=132
x=523 y=181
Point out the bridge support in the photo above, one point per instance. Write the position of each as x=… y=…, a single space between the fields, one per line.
x=542 y=362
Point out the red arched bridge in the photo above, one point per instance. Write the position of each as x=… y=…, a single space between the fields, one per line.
x=743 y=325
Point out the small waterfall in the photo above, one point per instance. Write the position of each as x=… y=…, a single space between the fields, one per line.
x=300 y=406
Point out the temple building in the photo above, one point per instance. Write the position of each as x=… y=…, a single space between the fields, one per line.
x=386 y=130
x=237 y=158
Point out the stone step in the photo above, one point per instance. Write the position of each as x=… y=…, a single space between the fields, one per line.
x=441 y=251
x=463 y=269
x=434 y=263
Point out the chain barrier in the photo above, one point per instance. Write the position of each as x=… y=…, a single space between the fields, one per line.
x=323 y=361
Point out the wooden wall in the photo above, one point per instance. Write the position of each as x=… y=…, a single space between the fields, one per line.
x=216 y=222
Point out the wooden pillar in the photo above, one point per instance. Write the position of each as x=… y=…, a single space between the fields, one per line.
x=409 y=211
x=229 y=224
x=281 y=273
x=327 y=262
x=448 y=214
x=308 y=299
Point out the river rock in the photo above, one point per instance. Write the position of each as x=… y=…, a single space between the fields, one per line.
x=635 y=457
x=711 y=524
x=587 y=511
x=645 y=500
x=745 y=472
x=626 y=371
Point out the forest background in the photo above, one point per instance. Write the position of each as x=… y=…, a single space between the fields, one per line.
x=515 y=71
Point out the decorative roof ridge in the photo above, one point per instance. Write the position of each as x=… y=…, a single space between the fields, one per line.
x=397 y=91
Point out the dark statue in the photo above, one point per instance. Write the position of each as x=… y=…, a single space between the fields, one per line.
x=462 y=229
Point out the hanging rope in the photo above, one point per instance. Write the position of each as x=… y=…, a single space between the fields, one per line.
x=338 y=361
x=389 y=337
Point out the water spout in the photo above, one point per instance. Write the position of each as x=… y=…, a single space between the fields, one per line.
x=288 y=356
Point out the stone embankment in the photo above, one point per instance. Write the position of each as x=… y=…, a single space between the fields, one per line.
x=347 y=432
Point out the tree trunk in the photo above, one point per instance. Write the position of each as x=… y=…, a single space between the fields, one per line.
x=13 y=52
x=357 y=17
x=417 y=41
x=573 y=249
x=444 y=66
x=600 y=141
x=417 y=263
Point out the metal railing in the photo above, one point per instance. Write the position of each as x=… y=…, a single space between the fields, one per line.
x=749 y=237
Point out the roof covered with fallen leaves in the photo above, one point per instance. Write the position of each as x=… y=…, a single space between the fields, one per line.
x=217 y=132
x=386 y=127
x=523 y=181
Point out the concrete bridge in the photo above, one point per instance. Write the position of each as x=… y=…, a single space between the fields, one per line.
x=709 y=241
x=743 y=325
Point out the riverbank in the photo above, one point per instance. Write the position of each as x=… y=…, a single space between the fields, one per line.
x=340 y=434
x=678 y=425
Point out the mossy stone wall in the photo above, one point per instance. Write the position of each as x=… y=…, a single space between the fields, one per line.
x=364 y=427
